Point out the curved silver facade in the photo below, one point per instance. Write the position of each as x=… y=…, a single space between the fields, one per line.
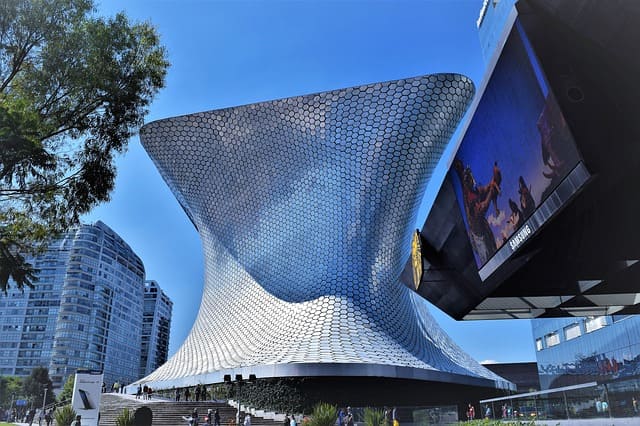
x=305 y=207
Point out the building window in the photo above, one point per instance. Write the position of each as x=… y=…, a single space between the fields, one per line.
x=572 y=331
x=539 y=345
x=594 y=323
x=552 y=339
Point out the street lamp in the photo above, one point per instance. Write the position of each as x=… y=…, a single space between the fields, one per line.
x=239 y=381
x=44 y=399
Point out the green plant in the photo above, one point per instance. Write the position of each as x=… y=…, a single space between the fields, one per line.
x=125 y=418
x=323 y=414
x=64 y=416
x=67 y=389
x=373 y=417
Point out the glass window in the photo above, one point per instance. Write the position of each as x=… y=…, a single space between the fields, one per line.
x=539 y=344
x=572 y=331
x=594 y=323
x=552 y=339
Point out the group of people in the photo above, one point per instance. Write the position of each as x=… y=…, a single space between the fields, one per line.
x=116 y=387
x=144 y=392
x=200 y=393
x=346 y=417
x=211 y=419
x=44 y=417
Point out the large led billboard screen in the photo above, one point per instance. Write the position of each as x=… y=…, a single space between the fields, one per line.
x=514 y=156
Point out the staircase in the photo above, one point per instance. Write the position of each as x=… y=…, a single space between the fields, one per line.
x=170 y=413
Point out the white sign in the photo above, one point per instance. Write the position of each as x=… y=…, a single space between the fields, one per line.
x=86 y=397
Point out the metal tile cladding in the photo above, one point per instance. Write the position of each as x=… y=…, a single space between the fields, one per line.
x=306 y=208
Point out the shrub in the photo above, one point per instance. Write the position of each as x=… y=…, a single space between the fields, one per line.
x=64 y=416
x=373 y=417
x=125 y=418
x=323 y=414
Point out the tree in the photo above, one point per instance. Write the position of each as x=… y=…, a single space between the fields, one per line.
x=73 y=89
x=67 y=389
x=33 y=386
x=10 y=387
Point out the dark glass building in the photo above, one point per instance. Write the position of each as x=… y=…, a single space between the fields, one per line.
x=522 y=374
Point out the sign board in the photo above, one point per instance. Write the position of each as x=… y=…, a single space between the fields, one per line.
x=21 y=403
x=86 y=397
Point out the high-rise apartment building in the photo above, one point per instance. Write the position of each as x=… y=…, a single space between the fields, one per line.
x=156 y=325
x=85 y=312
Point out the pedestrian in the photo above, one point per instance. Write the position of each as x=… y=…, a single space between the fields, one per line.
x=293 y=420
x=247 y=420
x=197 y=392
x=31 y=414
x=187 y=394
x=341 y=417
x=349 y=419
x=48 y=417
x=177 y=394
x=77 y=421
x=145 y=389
x=139 y=391
x=216 y=418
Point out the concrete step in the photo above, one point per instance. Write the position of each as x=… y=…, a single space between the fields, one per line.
x=171 y=413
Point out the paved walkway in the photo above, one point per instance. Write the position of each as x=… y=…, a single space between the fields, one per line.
x=614 y=421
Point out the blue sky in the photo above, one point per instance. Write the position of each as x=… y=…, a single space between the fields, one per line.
x=228 y=53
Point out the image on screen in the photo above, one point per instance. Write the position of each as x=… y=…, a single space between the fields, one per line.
x=515 y=152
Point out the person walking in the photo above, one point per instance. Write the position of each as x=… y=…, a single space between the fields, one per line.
x=293 y=420
x=48 y=417
x=187 y=394
x=77 y=421
x=177 y=394
x=247 y=420
x=216 y=418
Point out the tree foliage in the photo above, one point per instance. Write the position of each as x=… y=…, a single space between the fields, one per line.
x=74 y=88
x=67 y=389
x=33 y=386
x=10 y=388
